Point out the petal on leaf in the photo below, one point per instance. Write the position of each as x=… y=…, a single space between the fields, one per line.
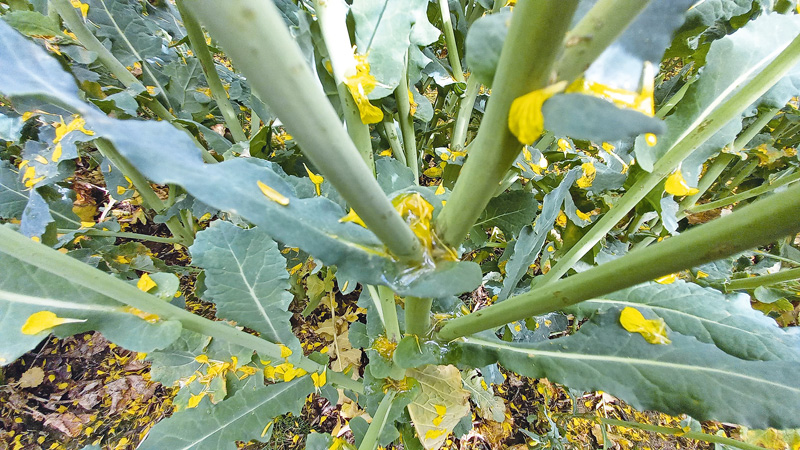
x=676 y=185
x=653 y=331
x=525 y=119
x=44 y=320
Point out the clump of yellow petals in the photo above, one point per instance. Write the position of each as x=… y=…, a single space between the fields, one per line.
x=286 y=372
x=653 y=331
x=319 y=379
x=360 y=85
x=352 y=216
x=315 y=178
x=62 y=130
x=525 y=119
x=676 y=185
x=384 y=347
x=83 y=7
x=561 y=220
x=43 y=321
x=589 y=172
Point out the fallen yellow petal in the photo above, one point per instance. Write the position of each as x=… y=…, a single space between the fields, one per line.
x=676 y=185
x=44 y=320
x=145 y=283
x=525 y=119
x=653 y=331
x=272 y=194
x=361 y=84
x=589 y=172
x=667 y=279
x=352 y=216
x=316 y=179
x=320 y=378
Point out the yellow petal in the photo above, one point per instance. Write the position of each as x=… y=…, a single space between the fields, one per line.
x=676 y=185
x=320 y=378
x=146 y=283
x=316 y=179
x=441 y=410
x=439 y=190
x=82 y=6
x=653 y=331
x=583 y=215
x=361 y=84
x=272 y=194
x=44 y=320
x=525 y=119
x=701 y=274
x=194 y=400
x=57 y=152
x=589 y=172
x=640 y=101
x=667 y=279
x=561 y=220
x=353 y=217
x=285 y=351
x=651 y=139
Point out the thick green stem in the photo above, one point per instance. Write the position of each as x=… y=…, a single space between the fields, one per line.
x=763 y=280
x=124 y=235
x=459 y=140
x=698 y=133
x=598 y=29
x=697 y=435
x=257 y=40
x=401 y=95
x=450 y=41
x=197 y=40
x=764 y=188
x=74 y=271
x=534 y=41
x=760 y=223
x=394 y=141
x=418 y=315
x=370 y=441
x=332 y=17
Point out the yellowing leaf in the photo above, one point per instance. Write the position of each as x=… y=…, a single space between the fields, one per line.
x=433 y=172
x=272 y=194
x=653 y=331
x=589 y=172
x=353 y=217
x=676 y=185
x=145 y=283
x=441 y=410
x=316 y=179
x=43 y=321
x=525 y=119
x=441 y=388
x=360 y=85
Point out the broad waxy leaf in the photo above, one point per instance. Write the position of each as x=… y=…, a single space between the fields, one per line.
x=384 y=31
x=239 y=418
x=309 y=223
x=26 y=290
x=490 y=406
x=731 y=62
x=13 y=196
x=684 y=377
x=440 y=404
x=484 y=43
x=509 y=211
x=246 y=278
x=728 y=322
x=531 y=239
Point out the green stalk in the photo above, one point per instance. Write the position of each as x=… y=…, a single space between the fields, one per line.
x=697 y=435
x=534 y=41
x=450 y=41
x=459 y=139
x=766 y=187
x=332 y=17
x=760 y=223
x=703 y=129
x=394 y=141
x=418 y=315
x=709 y=178
x=370 y=441
x=407 y=122
x=763 y=280
x=674 y=100
x=197 y=40
x=256 y=39
x=76 y=272
x=75 y=24
x=598 y=29
x=738 y=177
x=383 y=299
x=149 y=197
x=124 y=234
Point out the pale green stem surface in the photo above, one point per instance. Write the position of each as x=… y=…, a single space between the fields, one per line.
x=763 y=280
x=394 y=141
x=534 y=42
x=697 y=435
x=76 y=272
x=401 y=95
x=370 y=441
x=392 y=325
x=256 y=39
x=332 y=18
x=459 y=139
x=598 y=29
x=450 y=41
x=418 y=315
x=197 y=40
x=702 y=130
x=766 y=187
x=760 y=223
